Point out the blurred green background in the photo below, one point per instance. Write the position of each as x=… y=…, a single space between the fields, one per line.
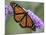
x=12 y=27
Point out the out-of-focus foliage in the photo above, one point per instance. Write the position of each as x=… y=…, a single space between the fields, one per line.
x=39 y=10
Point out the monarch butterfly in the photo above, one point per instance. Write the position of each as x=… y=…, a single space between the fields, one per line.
x=22 y=17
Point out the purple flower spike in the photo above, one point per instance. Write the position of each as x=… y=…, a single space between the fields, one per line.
x=38 y=22
x=8 y=10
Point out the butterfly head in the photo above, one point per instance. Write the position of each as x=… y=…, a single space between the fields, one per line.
x=13 y=4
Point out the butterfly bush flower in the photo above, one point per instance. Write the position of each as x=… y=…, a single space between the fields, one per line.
x=38 y=22
x=8 y=10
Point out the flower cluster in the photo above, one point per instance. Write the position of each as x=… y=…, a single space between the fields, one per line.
x=8 y=10
x=37 y=21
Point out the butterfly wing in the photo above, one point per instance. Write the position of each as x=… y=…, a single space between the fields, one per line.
x=30 y=23
x=23 y=22
x=27 y=23
x=18 y=17
x=18 y=12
